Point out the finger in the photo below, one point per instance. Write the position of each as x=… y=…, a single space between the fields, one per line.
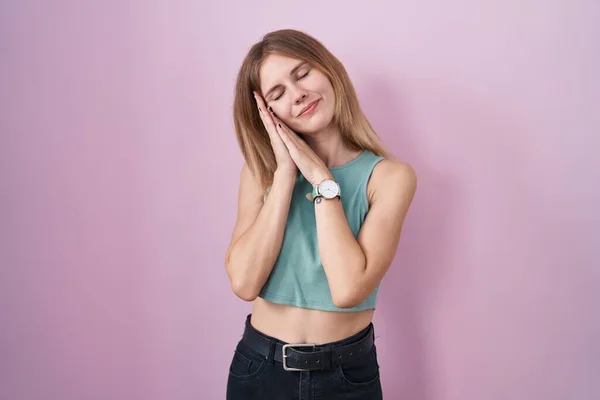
x=282 y=129
x=269 y=109
x=286 y=132
x=259 y=103
x=287 y=138
x=266 y=113
x=266 y=117
x=262 y=105
x=283 y=134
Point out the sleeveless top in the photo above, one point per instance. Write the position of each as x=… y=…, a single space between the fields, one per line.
x=298 y=278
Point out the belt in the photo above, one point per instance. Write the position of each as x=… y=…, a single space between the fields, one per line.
x=312 y=356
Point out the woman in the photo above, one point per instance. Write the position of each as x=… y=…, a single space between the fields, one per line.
x=321 y=207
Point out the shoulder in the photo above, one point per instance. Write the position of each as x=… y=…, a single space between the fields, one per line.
x=249 y=185
x=246 y=172
x=392 y=178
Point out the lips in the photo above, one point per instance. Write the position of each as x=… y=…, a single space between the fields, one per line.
x=308 y=108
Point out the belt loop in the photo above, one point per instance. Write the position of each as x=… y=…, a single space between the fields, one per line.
x=270 y=357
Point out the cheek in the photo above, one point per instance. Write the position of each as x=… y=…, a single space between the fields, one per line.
x=283 y=110
x=323 y=85
x=330 y=93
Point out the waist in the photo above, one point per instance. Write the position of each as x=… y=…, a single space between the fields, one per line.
x=300 y=325
x=308 y=356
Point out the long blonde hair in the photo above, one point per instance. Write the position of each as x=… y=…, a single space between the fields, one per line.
x=252 y=136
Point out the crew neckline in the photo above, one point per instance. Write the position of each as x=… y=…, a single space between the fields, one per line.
x=349 y=163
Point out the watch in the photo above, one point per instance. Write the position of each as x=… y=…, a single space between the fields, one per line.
x=327 y=189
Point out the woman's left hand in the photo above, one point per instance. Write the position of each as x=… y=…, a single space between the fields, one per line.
x=308 y=162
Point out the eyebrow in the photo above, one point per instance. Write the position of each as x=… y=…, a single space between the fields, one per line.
x=292 y=72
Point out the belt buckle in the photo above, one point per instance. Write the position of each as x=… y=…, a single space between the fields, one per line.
x=284 y=359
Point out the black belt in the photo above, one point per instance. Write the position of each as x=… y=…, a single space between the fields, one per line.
x=307 y=357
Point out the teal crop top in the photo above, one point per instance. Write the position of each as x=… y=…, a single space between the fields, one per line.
x=298 y=278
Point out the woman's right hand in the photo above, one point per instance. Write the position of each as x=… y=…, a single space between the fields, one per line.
x=282 y=155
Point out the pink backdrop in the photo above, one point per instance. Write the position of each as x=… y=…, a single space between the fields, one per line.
x=119 y=172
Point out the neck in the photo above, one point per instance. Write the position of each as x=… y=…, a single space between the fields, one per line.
x=330 y=147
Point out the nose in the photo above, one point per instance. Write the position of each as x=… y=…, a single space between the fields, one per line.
x=300 y=97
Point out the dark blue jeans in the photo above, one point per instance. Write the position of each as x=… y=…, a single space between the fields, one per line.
x=254 y=376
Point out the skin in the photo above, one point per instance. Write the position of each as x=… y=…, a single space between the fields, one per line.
x=309 y=144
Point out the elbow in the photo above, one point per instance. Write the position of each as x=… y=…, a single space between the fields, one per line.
x=350 y=294
x=244 y=291
x=239 y=286
x=242 y=288
x=347 y=300
x=349 y=297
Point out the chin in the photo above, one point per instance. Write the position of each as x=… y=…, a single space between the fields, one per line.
x=314 y=125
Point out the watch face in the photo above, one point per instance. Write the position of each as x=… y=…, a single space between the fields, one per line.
x=329 y=189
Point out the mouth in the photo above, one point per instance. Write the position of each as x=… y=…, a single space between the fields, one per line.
x=309 y=109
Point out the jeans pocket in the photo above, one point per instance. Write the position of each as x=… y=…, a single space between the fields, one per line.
x=245 y=366
x=363 y=371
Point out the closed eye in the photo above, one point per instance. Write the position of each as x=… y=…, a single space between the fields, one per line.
x=300 y=77
x=304 y=75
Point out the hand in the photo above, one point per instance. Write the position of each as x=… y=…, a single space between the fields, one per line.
x=282 y=155
x=308 y=162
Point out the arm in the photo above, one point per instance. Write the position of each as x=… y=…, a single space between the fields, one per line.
x=354 y=267
x=258 y=233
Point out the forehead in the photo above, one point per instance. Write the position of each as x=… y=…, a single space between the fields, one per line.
x=275 y=67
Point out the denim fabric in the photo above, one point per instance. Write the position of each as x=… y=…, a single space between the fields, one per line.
x=253 y=376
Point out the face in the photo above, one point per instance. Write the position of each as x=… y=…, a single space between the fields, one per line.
x=299 y=94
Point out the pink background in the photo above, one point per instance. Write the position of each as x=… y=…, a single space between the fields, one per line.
x=119 y=171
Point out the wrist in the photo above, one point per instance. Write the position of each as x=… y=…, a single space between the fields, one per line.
x=285 y=176
x=321 y=176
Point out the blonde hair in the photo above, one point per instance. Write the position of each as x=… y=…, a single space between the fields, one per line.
x=252 y=136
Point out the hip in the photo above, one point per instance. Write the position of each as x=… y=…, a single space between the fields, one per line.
x=265 y=367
